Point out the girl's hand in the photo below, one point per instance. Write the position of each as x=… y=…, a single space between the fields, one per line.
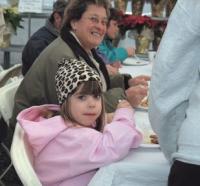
x=124 y=104
x=121 y=104
x=109 y=117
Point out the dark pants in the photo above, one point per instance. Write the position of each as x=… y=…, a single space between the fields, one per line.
x=184 y=174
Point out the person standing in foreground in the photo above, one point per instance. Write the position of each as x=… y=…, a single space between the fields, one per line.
x=175 y=94
x=69 y=148
x=44 y=36
x=84 y=26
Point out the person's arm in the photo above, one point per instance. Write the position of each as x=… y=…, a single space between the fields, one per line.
x=120 y=90
x=113 y=54
x=175 y=79
x=30 y=52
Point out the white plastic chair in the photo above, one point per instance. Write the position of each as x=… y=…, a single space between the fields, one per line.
x=7 y=94
x=7 y=75
x=1 y=68
x=22 y=159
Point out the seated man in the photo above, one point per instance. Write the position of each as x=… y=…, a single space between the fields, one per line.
x=44 y=36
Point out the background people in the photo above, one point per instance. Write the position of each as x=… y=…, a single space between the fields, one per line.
x=175 y=94
x=44 y=36
x=69 y=148
x=114 y=54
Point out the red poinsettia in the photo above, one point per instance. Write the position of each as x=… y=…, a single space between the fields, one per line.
x=133 y=21
x=136 y=22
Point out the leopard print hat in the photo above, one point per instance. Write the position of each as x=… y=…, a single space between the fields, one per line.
x=70 y=73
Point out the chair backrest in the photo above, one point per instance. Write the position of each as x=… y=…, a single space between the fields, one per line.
x=7 y=94
x=1 y=68
x=5 y=75
x=22 y=159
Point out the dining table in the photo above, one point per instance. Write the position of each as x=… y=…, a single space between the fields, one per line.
x=143 y=166
x=143 y=68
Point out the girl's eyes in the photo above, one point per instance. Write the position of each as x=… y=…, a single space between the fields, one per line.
x=84 y=97
x=97 y=97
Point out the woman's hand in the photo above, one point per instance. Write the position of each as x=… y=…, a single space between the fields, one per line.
x=135 y=94
x=139 y=80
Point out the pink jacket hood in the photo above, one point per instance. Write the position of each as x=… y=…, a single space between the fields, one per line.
x=32 y=121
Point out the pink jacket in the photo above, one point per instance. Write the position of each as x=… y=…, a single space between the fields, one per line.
x=70 y=156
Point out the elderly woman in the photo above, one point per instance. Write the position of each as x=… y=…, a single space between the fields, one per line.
x=84 y=27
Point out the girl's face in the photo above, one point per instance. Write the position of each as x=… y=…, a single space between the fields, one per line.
x=85 y=109
x=91 y=28
x=113 y=29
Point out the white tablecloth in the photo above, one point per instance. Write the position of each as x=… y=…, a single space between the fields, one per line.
x=136 y=70
x=142 y=167
x=145 y=166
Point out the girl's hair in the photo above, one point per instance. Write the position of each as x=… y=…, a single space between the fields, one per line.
x=88 y=88
x=76 y=8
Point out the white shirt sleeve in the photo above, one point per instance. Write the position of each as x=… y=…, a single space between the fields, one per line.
x=174 y=90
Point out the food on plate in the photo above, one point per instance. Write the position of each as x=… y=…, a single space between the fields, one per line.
x=154 y=138
x=150 y=138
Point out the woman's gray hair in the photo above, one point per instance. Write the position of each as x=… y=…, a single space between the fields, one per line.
x=76 y=8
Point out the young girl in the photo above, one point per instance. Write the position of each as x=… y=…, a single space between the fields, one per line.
x=70 y=147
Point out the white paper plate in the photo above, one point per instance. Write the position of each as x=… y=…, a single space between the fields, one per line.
x=135 y=62
x=142 y=108
x=149 y=145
